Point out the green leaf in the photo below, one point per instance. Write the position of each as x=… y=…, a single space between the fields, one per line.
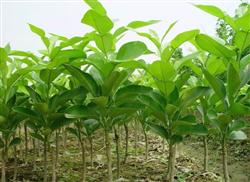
x=3 y=63
x=242 y=39
x=238 y=135
x=15 y=141
x=212 y=46
x=85 y=79
x=49 y=75
x=233 y=82
x=34 y=95
x=154 y=40
x=191 y=95
x=176 y=42
x=182 y=128
x=158 y=129
x=216 y=84
x=131 y=91
x=215 y=11
x=37 y=30
x=134 y=25
x=113 y=82
x=131 y=50
x=139 y=24
x=101 y=23
x=163 y=73
x=168 y=30
x=239 y=109
x=243 y=22
x=104 y=42
x=91 y=125
x=245 y=61
x=100 y=101
x=40 y=32
x=96 y=5
x=244 y=75
x=69 y=54
x=78 y=111
x=27 y=112
x=236 y=125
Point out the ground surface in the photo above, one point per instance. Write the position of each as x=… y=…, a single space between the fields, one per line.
x=189 y=162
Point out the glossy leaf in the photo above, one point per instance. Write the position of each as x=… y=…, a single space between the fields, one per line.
x=131 y=50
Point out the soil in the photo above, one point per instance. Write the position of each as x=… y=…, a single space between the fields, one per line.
x=189 y=161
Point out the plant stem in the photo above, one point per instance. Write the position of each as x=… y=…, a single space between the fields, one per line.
x=146 y=144
x=117 y=153
x=171 y=162
x=3 y=177
x=224 y=159
x=108 y=154
x=45 y=176
x=205 y=167
x=126 y=147
x=26 y=140
x=91 y=151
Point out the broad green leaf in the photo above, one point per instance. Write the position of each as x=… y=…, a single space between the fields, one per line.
x=104 y=42
x=96 y=5
x=158 y=129
x=131 y=50
x=215 y=65
x=27 y=112
x=78 y=111
x=242 y=39
x=49 y=75
x=176 y=42
x=215 y=11
x=238 y=135
x=69 y=54
x=91 y=125
x=112 y=83
x=244 y=75
x=132 y=64
x=101 y=23
x=85 y=79
x=33 y=95
x=139 y=24
x=100 y=101
x=212 y=46
x=238 y=109
x=163 y=74
x=188 y=129
x=131 y=91
x=236 y=125
x=245 y=61
x=151 y=103
x=216 y=84
x=191 y=95
x=151 y=38
x=37 y=30
x=134 y=25
x=40 y=32
x=233 y=82
x=243 y=23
